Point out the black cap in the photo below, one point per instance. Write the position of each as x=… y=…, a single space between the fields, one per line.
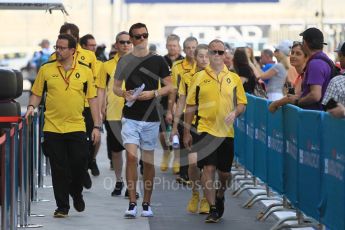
x=313 y=36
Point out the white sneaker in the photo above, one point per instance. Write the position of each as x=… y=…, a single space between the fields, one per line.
x=132 y=211
x=147 y=211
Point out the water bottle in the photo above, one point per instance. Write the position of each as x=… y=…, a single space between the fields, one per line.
x=176 y=142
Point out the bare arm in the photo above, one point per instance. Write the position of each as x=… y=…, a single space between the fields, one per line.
x=101 y=96
x=34 y=101
x=268 y=74
x=94 y=107
x=338 y=112
x=181 y=102
x=313 y=96
x=276 y=104
x=240 y=108
x=147 y=95
x=188 y=118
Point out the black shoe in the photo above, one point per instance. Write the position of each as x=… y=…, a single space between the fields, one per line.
x=58 y=213
x=87 y=181
x=118 y=188
x=213 y=216
x=127 y=195
x=220 y=205
x=94 y=168
x=78 y=203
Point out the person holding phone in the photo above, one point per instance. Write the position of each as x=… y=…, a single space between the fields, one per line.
x=334 y=99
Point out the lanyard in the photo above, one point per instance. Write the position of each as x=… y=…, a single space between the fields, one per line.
x=66 y=79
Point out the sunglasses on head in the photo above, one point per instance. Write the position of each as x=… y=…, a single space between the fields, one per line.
x=125 y=42
x=139 y=36
x=214 y=52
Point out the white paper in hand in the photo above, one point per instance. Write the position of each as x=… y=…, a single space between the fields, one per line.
x=136 y=93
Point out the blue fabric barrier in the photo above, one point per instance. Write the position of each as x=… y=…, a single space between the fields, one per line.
x=305 y=157
x=275 y=150
x=260 y=139
x=240 y=138
x=250 y=120
x=333 y=187
x=309 y=167
x=291 y=122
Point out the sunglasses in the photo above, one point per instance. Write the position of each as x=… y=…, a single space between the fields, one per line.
x=139 y=36
x=214 y=52
x=125 y=42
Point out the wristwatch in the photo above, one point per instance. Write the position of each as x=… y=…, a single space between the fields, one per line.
x=98 y=127
x=156 y=93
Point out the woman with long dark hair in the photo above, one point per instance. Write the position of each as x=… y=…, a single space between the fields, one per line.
x=243 y=69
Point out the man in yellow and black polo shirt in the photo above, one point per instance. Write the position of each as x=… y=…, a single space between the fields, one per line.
x=88 y=42
x=67 y=82
x=113 y=109
x=178 y=70
x=88 y=57
x=220 y=98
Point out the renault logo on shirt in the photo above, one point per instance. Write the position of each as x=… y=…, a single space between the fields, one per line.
x=228 y=80
x=207 y=81
x=77 y=75
x=55 y=75
x=82 y=58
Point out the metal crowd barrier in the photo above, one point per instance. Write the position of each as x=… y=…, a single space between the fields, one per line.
x=18 y=151
x=300 y=154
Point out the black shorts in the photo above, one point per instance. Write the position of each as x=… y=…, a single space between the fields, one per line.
x=216 y=151
x=114 y=139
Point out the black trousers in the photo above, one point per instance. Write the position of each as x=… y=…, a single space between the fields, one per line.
x=89 y=127
x=67 y=154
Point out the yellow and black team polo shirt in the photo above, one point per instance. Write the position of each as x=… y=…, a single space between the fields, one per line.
x=66 y=94
x=89 y=58
x=215 y=96
x=178 y=69
x=115 y=103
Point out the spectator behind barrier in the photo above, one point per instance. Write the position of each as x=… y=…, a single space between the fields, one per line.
x=278 y=72
x=336 y=89
x=242 y=68
x=318 y=71
x=298 y=59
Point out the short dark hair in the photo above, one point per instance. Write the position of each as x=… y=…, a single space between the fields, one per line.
x=70 y=27
x=136 y=26
x=72 y=43
x=119 y=34
x=83 y=40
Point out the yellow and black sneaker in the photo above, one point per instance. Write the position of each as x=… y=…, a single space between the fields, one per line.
x=60 y=213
